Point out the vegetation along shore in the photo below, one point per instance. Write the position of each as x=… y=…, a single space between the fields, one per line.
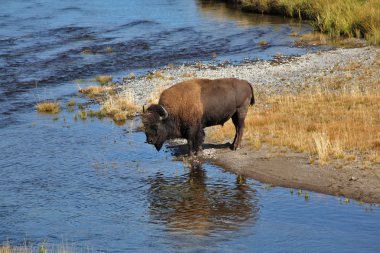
x=352 y=18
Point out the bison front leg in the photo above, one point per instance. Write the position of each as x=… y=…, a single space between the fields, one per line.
x=199 y=139
x=195 y=140
x=190 y=144
x=191 y=141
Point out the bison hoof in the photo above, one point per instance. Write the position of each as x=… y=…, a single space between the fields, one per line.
x=234 y=147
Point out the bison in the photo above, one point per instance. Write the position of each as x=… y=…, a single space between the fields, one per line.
x=186 y=108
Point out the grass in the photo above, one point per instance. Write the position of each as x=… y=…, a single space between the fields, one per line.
x=154 y=96
x=317 y=38
x=71 y=103
x=87 y=51
x=263 y=43
x=40 y=248
x=104 y=79
x=113 y=105
x=338 y=119
x=131 y=76
x=189 y=75
x=156 y=74
x=52 y=107
x=119 y=107
x=351 y=18
x=82 y=115
x=94 y=91
x=109 y=50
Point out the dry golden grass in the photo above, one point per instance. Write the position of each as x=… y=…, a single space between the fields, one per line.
x=351 y=18
x=337 y=119
x=317 y=38
x=263 y=43
x=119 y=107
x=131 y=76
x=188 y=75
x=156 y=74
x=42 y=248
x=313 y=39
x=154 y=96
x=322 y=144
x=6 y=248
x=109 y=50
x=87 y=51
x=48 y=107
x=71 y=103
x=103 y=79
x=93 y=91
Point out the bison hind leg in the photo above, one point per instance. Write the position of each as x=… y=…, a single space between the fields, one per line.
x=238 y=120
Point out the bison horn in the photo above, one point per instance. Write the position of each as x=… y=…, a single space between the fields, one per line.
x=166 y=114
x=143 y=108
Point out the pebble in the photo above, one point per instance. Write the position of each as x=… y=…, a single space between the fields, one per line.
x=286 y=72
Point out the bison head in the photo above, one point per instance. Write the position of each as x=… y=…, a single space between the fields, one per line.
x=154 y=123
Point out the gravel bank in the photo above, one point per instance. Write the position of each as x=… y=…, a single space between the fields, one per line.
x=291 y=72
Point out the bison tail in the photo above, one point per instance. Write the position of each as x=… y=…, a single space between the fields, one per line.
x=253 y=96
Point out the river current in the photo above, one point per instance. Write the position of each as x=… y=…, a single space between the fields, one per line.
x=91 y=185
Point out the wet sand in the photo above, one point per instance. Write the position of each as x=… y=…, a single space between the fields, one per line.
x=293 y=170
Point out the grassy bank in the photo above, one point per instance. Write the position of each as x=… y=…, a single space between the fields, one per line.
x=352 y=18
x=336 y=120
x=117 y=107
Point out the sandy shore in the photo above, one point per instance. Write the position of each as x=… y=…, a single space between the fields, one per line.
x=268 y=164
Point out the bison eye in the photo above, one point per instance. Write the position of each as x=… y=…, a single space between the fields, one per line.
x=155 y=128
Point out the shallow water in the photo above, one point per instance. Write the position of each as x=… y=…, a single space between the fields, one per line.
x=94 y=186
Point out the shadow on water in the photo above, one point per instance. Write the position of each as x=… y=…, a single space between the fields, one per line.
x=191 y=203
x=179 y=150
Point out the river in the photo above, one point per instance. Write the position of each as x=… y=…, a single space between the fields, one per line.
x=91 y=185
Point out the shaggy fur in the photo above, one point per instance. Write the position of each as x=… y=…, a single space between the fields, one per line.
x=195 y=104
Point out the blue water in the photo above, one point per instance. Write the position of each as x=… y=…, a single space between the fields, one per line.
x=95 y=186
x=49 y=43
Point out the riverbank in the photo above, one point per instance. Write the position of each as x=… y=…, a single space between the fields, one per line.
x=349 y=169
x=348 y=18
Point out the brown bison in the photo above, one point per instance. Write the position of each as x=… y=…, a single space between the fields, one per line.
x=186 y=108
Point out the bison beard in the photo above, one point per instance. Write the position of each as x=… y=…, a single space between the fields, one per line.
x=185 y=109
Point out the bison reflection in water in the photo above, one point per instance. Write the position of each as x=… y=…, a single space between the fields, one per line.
x=185 y=109
x=190 y=204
